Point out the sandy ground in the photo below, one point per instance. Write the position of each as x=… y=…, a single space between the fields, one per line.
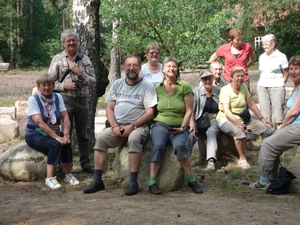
x=24 y=203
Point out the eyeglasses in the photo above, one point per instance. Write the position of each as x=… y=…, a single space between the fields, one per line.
x=135 y=66
x=152 y=53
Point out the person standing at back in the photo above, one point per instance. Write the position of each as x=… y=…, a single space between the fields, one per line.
x=74 y=74
x=274 y=74
x=236 y=54
x=152 y=69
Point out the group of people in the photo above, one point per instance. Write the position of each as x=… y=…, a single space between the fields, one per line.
x=154 y=94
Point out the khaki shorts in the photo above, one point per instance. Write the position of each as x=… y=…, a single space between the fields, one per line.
x=135 y=141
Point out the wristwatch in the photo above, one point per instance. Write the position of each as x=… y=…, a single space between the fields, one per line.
x=133 y=125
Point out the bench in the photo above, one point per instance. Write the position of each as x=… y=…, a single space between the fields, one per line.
x=4 y=67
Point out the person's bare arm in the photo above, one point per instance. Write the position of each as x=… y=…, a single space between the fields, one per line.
x=252 y=59
x=251 y=104
x=213 y=58
x=293 y=112
x=285 y=73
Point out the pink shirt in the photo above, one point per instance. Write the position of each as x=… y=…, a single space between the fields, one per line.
x=232 y=61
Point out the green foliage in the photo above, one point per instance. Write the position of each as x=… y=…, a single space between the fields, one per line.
x=189 y=30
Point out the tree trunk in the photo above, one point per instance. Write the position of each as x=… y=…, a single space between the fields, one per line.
x=31 y=17
x=115 y=64
x=86 y=23
x=115 y=56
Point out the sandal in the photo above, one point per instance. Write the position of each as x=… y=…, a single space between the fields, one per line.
x=244 y=164
x=259 y=186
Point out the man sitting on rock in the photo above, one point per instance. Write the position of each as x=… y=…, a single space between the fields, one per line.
x=130 y=106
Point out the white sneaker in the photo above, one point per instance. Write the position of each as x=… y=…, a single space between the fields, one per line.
x=52 y=183
x=210 y=167
x=71 y=179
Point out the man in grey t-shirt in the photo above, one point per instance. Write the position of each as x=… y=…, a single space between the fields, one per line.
x=130 y=106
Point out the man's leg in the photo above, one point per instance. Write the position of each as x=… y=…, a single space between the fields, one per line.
x=104 y=141
x=81 y=125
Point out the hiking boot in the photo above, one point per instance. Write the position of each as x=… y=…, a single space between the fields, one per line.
x=250 y=147
x=52 y=183
x=210 y=167
x=259 y=186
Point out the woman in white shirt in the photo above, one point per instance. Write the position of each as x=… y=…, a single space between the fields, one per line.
x=274 y=73
x=152 y=70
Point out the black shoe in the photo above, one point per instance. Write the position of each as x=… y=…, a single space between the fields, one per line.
x=154 y=189
x=94 y=187
x=250 y=147
x=89 y=170
x=195 y=186
x=132 y=189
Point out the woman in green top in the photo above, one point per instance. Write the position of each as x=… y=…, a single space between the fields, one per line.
x=175 y=105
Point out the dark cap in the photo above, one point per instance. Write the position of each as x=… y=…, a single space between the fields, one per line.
x=206 y=73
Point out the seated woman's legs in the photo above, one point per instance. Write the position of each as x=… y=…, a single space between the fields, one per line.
x=271 y=149
x=239 y=140
x=160 y=139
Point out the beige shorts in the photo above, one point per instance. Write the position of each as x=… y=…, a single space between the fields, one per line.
x=135 y=141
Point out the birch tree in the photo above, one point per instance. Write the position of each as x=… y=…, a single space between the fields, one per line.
x=86 y=23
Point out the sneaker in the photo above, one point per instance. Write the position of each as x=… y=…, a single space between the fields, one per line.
x=52 y=183
x=258 y=186
x=210 y=167
x=71 y=179
x=250 y=147
x=195 y=187
x=154 y=189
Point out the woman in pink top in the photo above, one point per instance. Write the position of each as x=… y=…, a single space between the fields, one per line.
x=235 y=53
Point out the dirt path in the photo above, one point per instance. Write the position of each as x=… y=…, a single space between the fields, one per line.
x=33 y=203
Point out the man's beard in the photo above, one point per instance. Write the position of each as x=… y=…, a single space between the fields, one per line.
x=132 y=76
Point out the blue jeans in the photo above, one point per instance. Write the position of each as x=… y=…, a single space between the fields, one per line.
x=50 y=147
x=78 y=111
x=161 y=138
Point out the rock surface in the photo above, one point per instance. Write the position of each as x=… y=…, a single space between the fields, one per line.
x=22 y=163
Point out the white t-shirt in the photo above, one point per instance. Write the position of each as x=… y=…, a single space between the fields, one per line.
x=153 y=78
x=33 y=106
x=131 y=100
x=271 y=69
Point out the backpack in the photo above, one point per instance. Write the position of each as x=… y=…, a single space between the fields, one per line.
x=281 y=183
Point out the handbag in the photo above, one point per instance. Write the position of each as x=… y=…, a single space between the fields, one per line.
x=203 y=123
x=245 y=115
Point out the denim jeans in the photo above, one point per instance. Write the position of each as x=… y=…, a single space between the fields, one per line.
x=50 y=147
x=161 y=138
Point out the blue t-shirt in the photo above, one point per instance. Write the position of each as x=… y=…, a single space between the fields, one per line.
x=289 y=104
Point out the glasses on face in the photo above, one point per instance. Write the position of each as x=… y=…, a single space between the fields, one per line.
x=134 y=66
x=153 y=53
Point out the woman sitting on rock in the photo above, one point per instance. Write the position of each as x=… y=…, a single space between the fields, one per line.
x=233 y=116
x=45 y=111
x=286 y=137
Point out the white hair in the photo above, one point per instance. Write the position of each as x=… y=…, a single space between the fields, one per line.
x=269 y=37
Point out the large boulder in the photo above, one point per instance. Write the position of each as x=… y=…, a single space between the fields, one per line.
x=21 y=109
x=22 y=163
x=9 y=129
x=294 y=167
x=8 y=113
x=170 y=176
